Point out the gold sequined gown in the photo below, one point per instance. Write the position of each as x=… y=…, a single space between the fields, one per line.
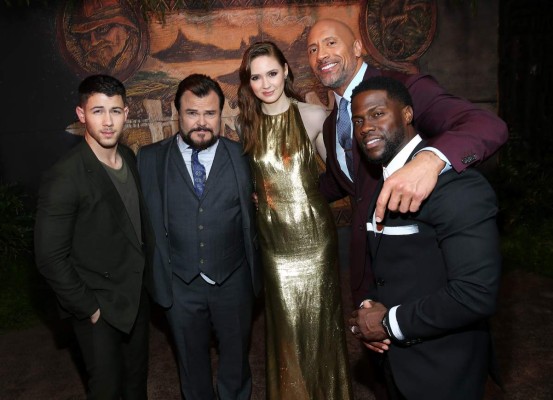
x=305 y=340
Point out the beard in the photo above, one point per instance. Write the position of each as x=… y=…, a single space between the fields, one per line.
x=393 y=143
x=187 y=138
x=334 y=82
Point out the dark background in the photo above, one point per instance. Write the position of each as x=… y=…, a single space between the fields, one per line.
x=37 y=94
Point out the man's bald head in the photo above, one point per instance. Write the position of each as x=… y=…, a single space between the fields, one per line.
x=328 y=24
x=334 y=53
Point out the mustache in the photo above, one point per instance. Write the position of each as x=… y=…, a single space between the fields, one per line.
x=200 y=129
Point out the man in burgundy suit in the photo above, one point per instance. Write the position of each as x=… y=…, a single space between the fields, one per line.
x=459 y=135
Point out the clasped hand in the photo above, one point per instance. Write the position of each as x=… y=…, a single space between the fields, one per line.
x=368 y=320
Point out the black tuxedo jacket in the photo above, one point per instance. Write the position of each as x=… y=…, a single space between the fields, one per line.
x=465 y=133
x=442 y=266
x=153 y=164
x=85 y=243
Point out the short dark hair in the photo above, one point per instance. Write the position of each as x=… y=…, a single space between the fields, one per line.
x=104 y=84
x=201 y=85
x=394 y=88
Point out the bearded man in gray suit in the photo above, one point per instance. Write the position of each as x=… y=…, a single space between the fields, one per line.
x=198 y=190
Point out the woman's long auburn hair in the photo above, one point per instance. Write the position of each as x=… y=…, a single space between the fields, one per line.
x=249 y=119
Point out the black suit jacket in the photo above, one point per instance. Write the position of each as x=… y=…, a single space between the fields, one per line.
x=442 y=266
x=85 y=244
x=153 y=162
x=465 y=133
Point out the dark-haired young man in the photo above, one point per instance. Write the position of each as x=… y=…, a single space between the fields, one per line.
x=198 y=187
x=92 y=244
x=436 y=270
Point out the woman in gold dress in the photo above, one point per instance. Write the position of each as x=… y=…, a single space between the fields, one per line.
x=305 y=340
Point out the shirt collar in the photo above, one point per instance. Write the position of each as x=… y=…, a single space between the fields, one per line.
x=401 y=158
x=185 y=147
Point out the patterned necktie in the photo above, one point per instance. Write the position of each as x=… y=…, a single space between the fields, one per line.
x=198 y=173
x=344 y=134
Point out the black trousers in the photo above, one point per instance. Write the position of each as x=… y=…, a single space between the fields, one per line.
x=198 y=310
x=116 y=362
x=393 y=391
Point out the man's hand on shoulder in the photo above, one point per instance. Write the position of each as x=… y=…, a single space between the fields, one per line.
x=409 y=186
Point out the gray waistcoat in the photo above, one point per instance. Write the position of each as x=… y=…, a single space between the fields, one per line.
x=206 y=234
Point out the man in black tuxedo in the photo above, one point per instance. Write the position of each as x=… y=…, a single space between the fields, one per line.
x=93 y=243
x=436 y=270
x=206 y=269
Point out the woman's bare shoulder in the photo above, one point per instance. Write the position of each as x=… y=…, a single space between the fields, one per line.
x=312 y=113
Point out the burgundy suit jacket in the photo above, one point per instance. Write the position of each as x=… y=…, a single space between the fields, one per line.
x=463 y=132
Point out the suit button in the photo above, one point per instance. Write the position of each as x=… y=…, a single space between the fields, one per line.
x=380 y=282
x=200 y=227
x=201 y=244
x=468 y=159
x=107 y=275
x=201 y=260
x=201 y=210
x=359 y=199
x=361 y=228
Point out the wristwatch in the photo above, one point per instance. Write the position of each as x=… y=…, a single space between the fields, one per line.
x=403 y=342
x=387 y=326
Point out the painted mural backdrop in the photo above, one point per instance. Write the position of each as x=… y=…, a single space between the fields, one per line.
x=152 y=56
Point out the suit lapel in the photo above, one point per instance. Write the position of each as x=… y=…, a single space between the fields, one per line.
x=100 y=179
x=338 y=173
x=374 y=239
x=175 y=157
x=243 y=180
x=144 y=217
x=169 y=153
x=216 y=167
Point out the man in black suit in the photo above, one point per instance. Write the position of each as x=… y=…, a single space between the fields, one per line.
x=92 y=244
x=206 y=268
x=436 y=270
